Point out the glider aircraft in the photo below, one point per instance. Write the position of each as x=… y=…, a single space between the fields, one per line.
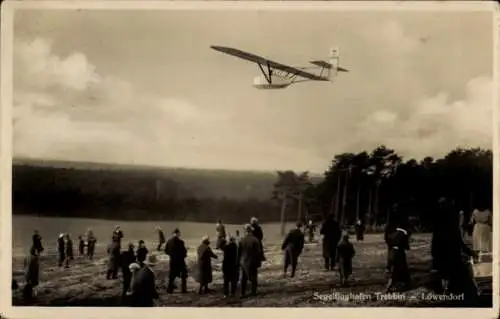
x=279 y=76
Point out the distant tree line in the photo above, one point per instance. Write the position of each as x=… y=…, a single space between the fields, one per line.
x=138 y=195
x=356 y=186
x=366 y=185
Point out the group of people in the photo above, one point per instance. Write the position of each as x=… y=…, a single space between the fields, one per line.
x=243 y=256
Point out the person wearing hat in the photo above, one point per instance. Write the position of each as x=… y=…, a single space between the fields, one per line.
x=204 y=265
x=143 y=288
x=126 y=259
x=259 y=234
x=61 y=249
x=230 y=266
x=345 y=254
x=331 y=232
x=292 y=247
x=161 y=238
x=176 y=250
x=399 y=272
x=250 y=257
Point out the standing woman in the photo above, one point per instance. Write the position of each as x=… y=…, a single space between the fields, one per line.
x=204 y=274
x=481 y=221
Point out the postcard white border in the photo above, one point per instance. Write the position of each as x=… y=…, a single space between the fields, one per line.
x=6 y=98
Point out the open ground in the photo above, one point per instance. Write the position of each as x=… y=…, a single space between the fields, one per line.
x=84 y=284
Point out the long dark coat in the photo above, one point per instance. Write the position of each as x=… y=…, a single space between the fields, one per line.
x=143 y=288
x=293 y=244
x=331 y=232
x=61 y=249
x=230 y=264
x=177 y=252
x=221 y=236
x=398 y=243
x=204 y=264
x=142 y=253
x=37 y=243
x=114 y=256
x=345 y=254
x=32 y=266
x=249 y=253
x=69 y=248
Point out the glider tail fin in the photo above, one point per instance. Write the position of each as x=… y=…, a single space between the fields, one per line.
x=334 y=61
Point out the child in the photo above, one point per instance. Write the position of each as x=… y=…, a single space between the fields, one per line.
x=142 y=252
x=345 y=254
x=230 y=266
x=81 y=245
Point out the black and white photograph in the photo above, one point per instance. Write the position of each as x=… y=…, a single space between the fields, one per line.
x=249 y=156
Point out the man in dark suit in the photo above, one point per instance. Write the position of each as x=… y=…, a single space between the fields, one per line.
x=249 y=256
x=259 y=234
x=143 y=288
x=161 y=238
x=292 y=247
x=331 y=232
x=177 y=252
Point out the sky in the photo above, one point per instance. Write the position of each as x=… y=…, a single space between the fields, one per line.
x=144 y=87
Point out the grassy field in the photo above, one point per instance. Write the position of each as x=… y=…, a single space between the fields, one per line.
x=84 y=284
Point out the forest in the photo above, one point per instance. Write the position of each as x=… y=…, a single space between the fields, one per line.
x=355 y=186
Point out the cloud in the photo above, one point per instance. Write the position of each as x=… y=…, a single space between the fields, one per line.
x=41 y=69
x=435 y=124
x=64 y=108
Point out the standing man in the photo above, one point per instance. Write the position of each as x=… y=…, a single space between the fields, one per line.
x=230 y=266
x=360 y=230
x=37 y=242
x=91 y=242
x=161 y=238
x=259 y=234
x=331 y=232
x=292 y=247
x=390 y=228
x=177 y=252
x=221 y=234
x=118 y=235
x=61 y=249
x=311 y=228
x=68 y=249
x=249 y=256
